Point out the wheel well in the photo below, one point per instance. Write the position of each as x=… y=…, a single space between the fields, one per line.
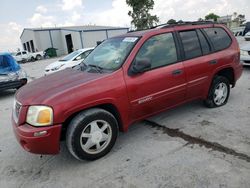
x=229 y=74
x=108 y=107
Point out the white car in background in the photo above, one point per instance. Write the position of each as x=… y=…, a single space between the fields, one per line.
x=71 y=60
x=247 y=36
x=245 y=53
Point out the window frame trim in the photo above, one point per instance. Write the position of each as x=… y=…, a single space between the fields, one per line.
x=208 y=42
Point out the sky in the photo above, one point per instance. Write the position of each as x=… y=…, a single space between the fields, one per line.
x=16 y=15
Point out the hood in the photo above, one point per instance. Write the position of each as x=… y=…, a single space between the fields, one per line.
x=44 y=89
x=55 y=64
x=245 y=47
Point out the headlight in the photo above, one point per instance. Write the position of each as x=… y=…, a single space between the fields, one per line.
x=39 y=116
x=22 y=74
x=243 y=52
x=57 y=67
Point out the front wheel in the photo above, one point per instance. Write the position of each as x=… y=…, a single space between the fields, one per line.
x=219 y=92
x=91 y=134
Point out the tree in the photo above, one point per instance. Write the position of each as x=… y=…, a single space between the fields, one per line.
x=239 y=17
x=212 y=16
x=171 y=21
x=141 y=18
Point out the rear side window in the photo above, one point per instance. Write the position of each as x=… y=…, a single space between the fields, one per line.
x=159 y=50
x=219 y=38
x=191 y=44
x=204 y=43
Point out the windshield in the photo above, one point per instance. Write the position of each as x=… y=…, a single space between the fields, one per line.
x=70 y=56
x=111 y=53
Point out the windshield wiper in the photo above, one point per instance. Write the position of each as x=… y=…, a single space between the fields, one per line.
x=98 y=68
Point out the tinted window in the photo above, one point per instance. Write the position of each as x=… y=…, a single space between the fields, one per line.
x=204 y=44
x=191 y=44
x=85 y=54
x=218 y=37
x=3 y=62
x=19 y=53
x=159 y=50
x=24 y=52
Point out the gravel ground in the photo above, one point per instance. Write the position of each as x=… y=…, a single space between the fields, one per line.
x=190 y=146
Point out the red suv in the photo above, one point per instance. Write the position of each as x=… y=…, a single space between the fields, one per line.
x=126 y=79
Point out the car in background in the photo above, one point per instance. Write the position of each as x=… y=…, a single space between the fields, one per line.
x=247 y=36
x=71 y=60
x=245 y=54
x=24 y=56
x=11 y=74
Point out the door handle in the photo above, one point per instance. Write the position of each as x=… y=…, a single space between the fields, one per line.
x=176 y=72
x=213 y=62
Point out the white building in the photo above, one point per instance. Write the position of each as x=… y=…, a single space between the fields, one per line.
x=67 y=39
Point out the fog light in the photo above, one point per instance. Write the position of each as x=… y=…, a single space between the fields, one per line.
x=40 y=133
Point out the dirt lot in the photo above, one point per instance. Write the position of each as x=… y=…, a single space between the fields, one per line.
x=190 y=146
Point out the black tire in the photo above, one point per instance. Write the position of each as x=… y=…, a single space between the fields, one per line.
x=38 y=57
x=32 y=59
x=210 y=101
x=80 y=123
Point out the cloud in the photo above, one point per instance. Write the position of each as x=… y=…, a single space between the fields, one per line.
x=192 y=10
x=76 y=16
x=117 y=15
x=41 y=9
x=9 y=40
x=71 y=4
x=39 y=20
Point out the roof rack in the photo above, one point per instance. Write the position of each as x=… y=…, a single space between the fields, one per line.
x=179 y=23
x=166 y=25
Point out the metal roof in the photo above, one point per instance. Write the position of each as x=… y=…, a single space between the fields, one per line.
x=86 y=28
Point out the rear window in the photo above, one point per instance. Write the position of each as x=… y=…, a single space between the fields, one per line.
x=219 y=38
x=191 y=44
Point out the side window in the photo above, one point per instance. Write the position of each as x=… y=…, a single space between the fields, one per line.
x=204 y=43
x=3 y=62
x=19 y=53
x=191 y=44
x=160 y=50
x=85 y=54
x=24 y=53
x=219 y=38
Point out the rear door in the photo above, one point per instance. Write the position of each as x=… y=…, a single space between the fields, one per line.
x=162 y=86
x=197 y=62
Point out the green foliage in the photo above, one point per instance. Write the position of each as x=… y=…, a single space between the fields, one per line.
x=212 y=16
x=141 y=18
x=171 y=21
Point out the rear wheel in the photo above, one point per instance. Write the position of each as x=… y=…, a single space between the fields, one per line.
x=91 y=134
x=219 y=92
x=38 y=57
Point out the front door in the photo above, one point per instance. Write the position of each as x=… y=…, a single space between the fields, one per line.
x=162 y=86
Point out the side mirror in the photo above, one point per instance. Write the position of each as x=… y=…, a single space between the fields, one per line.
x=140 y=66
x=78 y=58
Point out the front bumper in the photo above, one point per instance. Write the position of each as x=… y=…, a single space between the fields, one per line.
x=12 y=84
x=48 y=143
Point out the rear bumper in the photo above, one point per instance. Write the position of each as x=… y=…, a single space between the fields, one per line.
x=48 y=143
x=12 y=84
